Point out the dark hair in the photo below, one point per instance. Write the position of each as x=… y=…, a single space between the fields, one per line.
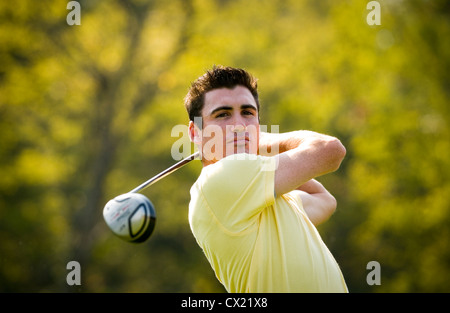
x=217 y=77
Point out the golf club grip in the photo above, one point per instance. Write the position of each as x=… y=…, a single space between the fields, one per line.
x=166 y=172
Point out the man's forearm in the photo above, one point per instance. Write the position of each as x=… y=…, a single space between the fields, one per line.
x=317 y=202
x=302 y=156
x=312 y=187
x=273 y=143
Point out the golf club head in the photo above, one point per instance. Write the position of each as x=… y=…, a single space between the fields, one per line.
x=130 y=216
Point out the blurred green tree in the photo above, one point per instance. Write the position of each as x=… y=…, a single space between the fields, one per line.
x=86 y=113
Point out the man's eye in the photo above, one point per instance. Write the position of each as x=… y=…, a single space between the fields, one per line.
x=224 y=114
x=248 y=113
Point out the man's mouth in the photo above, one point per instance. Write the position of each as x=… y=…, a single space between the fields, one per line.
x=239 y=140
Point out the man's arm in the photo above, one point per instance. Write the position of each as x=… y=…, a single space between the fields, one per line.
x=304 y=155
x=318 y=203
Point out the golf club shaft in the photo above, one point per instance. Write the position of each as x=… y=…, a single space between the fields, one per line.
x=166 y=172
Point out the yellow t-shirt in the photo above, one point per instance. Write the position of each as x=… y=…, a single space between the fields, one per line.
x=254 y=241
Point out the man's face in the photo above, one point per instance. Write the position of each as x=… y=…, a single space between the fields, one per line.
x=230 y=124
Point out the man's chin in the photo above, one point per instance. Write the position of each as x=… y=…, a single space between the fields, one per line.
x=240 y=148
x=231 y=150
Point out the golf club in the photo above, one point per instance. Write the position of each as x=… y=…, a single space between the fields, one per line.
x=132 y=216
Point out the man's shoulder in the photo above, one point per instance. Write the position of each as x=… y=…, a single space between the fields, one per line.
x=232 y=175
x=239 y=164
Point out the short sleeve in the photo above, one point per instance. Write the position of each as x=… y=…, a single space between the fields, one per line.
x=296 y=196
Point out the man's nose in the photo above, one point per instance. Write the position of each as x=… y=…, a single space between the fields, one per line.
x=238 y=128
x=238 y=125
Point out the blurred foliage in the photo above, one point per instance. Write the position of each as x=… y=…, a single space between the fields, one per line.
x=86 y=113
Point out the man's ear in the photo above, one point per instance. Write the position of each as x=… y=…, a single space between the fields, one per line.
x=195 y=134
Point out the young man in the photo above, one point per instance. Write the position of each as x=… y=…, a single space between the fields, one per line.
x=254 y=215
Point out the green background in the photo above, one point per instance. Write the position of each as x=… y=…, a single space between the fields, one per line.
x=86 y=113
